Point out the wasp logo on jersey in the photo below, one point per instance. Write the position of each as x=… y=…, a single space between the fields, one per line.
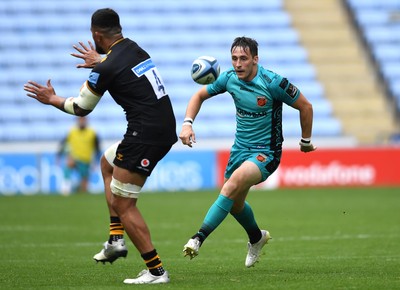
x=261 y=101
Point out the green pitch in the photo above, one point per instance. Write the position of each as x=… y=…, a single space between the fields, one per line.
x=322 y=239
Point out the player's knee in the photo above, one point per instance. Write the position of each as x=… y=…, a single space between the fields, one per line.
x=106 y=168
x=126 y=190
x=231 y=188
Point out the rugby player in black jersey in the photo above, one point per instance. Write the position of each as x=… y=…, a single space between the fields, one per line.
x=132 y=79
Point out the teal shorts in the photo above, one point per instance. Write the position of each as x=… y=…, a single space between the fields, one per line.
x=266 y=161
x=83 y=168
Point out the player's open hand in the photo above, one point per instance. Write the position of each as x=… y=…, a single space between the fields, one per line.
x=187 y=135
x=43 y=94
x=88 y=54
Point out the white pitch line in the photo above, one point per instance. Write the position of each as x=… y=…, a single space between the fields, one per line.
x=211 y=241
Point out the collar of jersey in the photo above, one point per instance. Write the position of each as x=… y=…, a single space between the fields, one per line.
x=115 y=42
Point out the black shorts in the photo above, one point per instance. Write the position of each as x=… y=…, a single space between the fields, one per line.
x=140 y=158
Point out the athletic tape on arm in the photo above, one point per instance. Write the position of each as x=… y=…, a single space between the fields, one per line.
x=86 y=100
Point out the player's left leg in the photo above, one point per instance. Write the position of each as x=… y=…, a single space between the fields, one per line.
x=124 y=202
x=243 y=212
x=129 y=175
x=257 y=237
x=233 y=194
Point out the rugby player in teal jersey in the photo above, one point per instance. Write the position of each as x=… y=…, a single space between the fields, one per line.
x=258 y=95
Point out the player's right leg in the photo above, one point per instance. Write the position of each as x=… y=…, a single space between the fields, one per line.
x=243 y=212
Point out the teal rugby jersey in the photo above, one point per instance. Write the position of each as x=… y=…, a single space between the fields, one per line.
x=258 y=106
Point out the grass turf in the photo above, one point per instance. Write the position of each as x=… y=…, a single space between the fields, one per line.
x=337 y=238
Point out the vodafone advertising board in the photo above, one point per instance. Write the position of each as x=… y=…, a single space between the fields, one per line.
x=331 y=167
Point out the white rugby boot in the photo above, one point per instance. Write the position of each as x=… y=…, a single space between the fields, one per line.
x=111 y=252
x=254 y=250
x=145 y=277
x=191 y=248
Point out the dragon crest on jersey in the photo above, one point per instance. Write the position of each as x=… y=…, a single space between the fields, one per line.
x=261 y=101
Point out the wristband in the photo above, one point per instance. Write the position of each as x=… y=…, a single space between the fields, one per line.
x=187 y=122
x=190 y=120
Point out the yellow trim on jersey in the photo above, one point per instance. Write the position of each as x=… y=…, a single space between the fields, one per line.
x=90 y=89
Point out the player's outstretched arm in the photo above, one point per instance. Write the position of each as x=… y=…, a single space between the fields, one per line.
x=306 y=119
x=88 y=54
x=187 y=135
x=79 y=106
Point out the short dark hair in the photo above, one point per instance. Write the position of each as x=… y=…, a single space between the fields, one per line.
x=107 y=21
x=245 y=42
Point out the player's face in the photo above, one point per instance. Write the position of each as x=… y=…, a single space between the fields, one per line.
x=244 y=63
x=96 y=38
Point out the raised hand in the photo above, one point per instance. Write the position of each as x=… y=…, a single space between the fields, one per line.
x=43 y=94
x=88 y=54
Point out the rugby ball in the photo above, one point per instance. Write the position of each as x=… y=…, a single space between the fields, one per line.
x=205 y=70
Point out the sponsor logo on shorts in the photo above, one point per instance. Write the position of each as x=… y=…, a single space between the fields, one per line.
x=261 y=157
x=145 y=162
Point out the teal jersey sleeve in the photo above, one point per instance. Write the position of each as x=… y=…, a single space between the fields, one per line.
x=220 y=84
x=282 y=89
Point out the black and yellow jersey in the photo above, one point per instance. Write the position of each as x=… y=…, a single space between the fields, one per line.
x=134 y=82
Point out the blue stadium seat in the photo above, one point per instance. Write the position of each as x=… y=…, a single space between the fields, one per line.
x=395 y=88
x=389 y=4
x=381 y=31
x=391 y=71
x=373 y=17
x=381 y=34
x=384 y=52
x=173 y=40
x=196 y=21
x=11 y=113
x=324 y=127
x=16 y=131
